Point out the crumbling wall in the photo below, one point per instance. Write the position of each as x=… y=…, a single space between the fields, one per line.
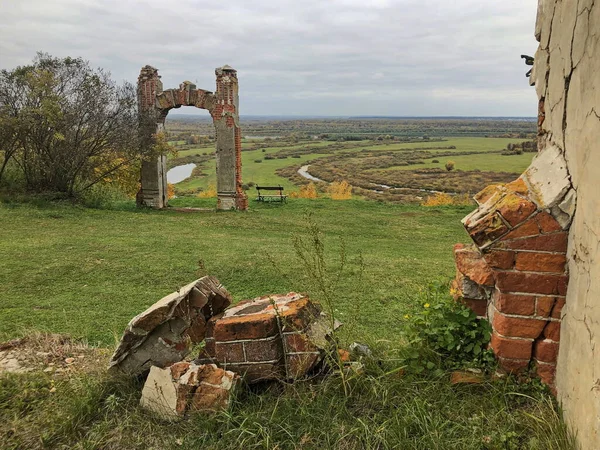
x=154 y=104
x=567 y=79
x=543 y=230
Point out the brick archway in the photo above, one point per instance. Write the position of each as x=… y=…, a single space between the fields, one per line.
x=154 y=104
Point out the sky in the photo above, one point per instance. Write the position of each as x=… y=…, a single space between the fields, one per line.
x=300 y=57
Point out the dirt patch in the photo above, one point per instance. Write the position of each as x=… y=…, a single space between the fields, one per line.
x=54 y=354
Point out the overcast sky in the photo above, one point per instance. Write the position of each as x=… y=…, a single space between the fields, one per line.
x=300 y=57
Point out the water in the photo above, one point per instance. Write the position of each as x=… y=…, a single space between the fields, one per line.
x=179 y=173
x=304 y=172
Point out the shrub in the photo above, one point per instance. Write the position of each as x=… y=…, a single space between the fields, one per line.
x=435 y=160
x=340 y=190
x=258 y=160
x=442 y=199
x=210 y=192
x=170 y=190
x=307 y=191
x=450 y=166
x=445 y=334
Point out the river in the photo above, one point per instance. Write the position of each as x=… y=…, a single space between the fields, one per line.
x=179 y=173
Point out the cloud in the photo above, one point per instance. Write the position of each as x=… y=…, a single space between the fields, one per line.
x=335 y=57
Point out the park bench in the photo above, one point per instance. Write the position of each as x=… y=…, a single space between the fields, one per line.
x=271 y=198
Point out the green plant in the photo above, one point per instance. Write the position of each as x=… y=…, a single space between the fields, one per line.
x=445 y=334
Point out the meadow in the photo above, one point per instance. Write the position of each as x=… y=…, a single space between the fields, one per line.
x=71 y=277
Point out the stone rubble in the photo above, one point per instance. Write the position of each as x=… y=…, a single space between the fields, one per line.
x=164 y=333
x=186 y=387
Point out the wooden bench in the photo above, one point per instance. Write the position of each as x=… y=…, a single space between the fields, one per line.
x=271 y=198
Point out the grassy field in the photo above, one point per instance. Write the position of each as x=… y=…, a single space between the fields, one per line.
x=85 y=272
x=257 y=170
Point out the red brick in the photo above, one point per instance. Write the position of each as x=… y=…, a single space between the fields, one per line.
x=547 y=373
x=518 y=186
x=298 y=342
x=513 y=365
x=556 y=242
x=547 y=223
x=300 y=363
x=552 y=331
x=515 y=209
x=229 y=352
x=471 y=263
x=197 y=329
x=546 y=351
x=253 y=326
x=540 y=262
x=269 y=350
x=528 y=228
x=558 y=306
x=562 y=286
x=517 y=326
x=530 y=282
x=463 y=377
x=500 y=259
x=478 y=306
x=258 y=372
x=523 y=305
x=487 y=193
x=544 y=306
x=179 y=369
x=487 y=229
x=511 y=348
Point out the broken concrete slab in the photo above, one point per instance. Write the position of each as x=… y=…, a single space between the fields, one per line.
x=164 y=333
x=279 y=336
x=547 y=177
x=186 y=387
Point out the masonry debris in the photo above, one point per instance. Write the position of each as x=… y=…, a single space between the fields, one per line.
x=275 y=337
x=184 y=386
x=515 y=274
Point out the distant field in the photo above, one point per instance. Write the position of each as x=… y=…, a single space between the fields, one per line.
x=493 y=162
x=264 y=172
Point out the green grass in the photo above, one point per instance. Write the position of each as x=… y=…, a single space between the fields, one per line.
x=86 y=272
x=465 y=144
x=493 y=162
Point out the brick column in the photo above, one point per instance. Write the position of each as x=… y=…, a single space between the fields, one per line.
x=153 y=177
x=518 y=264
x=225 y=114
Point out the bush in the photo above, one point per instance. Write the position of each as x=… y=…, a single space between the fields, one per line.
x=69 y=126
x=443 y=199
x=258 y=160
x=450 y=166
x=340 y=190
x=445 y=334
x=307 y=191
x=210 y=192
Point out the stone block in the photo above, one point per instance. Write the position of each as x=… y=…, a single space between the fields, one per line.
x=546 y=351
x=511 y=348
x=173 y=391
x=470 y=262
x=522 y=305
x=517 y=326
x=547 y=177
x=165 y=332
x=540 y=262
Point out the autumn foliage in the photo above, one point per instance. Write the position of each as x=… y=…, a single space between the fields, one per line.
x=306 y=191
x=340 y=190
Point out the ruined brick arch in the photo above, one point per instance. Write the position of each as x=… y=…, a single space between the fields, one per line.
x=154 y=105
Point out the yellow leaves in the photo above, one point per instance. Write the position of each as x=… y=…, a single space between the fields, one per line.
x=340 y=190
x=170 y=190
x=307 y=191
x=210 y=192
x=443 y=199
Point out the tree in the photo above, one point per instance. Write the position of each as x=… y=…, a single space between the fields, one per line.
x=450 y=166
x=72 y=125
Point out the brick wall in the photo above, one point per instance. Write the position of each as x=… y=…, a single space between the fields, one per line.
x=515 y=274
